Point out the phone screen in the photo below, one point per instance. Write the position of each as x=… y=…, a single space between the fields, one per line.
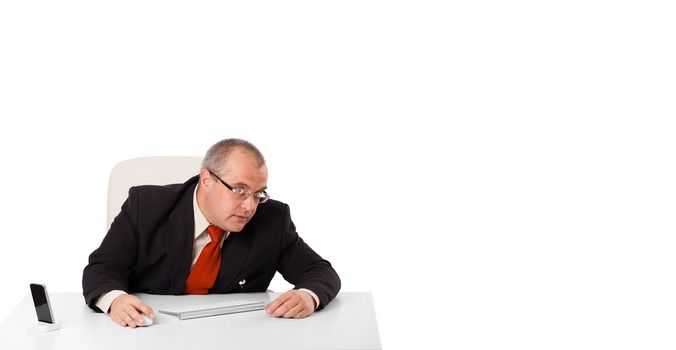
x=41 y=304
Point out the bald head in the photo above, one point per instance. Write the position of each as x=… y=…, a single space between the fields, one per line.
x=218 y=155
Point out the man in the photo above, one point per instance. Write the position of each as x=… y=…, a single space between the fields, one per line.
x=215 y=233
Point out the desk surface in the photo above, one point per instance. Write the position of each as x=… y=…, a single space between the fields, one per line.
x=348 y=322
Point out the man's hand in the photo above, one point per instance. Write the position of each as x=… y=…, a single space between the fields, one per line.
x=292 y=304
x=126 y=311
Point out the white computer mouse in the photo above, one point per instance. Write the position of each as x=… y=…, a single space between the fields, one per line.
x=147 y=321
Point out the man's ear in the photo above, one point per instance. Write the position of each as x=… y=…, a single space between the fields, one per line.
x=204 y=174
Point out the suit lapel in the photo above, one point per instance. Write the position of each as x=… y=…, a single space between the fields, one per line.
x=234 y=253
x=178 y=239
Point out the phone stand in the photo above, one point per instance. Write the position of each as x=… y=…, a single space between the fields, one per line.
x=44 y=327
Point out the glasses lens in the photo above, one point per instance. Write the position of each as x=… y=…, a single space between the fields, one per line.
x=262 y=197
x=240 y=192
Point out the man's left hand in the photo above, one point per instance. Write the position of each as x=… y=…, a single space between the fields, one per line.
x=292 y=304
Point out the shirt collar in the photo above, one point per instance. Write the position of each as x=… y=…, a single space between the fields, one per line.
x=201 y=223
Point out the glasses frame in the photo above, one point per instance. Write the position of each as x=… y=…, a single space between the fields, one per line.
x=247 y=194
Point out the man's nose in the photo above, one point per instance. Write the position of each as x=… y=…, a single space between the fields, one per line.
x=249 y=203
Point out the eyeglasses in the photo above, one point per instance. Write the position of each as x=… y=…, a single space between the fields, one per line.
x=242 y=193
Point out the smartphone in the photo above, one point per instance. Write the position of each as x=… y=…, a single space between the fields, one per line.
x=41 y=301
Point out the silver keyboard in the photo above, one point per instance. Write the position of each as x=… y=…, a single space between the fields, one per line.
x=224 y=308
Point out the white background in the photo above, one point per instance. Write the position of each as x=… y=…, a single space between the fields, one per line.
x=498 y=174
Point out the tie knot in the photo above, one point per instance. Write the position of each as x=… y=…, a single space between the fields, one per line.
x=216 y=233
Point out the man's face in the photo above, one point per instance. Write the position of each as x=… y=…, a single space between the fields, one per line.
x=223 y=207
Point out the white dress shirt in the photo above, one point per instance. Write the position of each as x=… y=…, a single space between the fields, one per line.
x=202 y=238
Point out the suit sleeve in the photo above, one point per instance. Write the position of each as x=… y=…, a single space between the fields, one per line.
x=304 y=268
x=111 y=264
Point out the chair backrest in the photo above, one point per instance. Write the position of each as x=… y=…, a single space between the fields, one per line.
x=147 y=171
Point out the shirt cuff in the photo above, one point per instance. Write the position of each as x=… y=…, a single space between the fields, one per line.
x=106 y=299
x=313 y=295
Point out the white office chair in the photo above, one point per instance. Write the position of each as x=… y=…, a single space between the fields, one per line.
x=147 y=171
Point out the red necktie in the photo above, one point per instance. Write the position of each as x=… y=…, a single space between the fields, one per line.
x=203 y=274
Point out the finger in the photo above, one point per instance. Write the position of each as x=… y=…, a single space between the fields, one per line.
x=143 y=308
x=128 y=320
x=294 y=311
x=117 y=320
x=276 y=312
x=147 y=310
x=136 y=317
x=306 y=311
x=283 y=298
x=288 y=305
x=277 y=303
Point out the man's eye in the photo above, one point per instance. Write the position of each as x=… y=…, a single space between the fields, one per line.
x=239 y=190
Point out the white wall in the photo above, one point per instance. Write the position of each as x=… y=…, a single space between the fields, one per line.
x=498 y=174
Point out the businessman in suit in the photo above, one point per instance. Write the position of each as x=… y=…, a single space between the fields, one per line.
x=216 y=233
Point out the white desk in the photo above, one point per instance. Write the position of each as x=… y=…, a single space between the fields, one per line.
x=348 y=322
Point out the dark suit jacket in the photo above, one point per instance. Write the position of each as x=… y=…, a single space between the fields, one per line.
x=148 y=249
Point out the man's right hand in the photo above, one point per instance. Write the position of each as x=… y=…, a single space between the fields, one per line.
x=126 y=311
